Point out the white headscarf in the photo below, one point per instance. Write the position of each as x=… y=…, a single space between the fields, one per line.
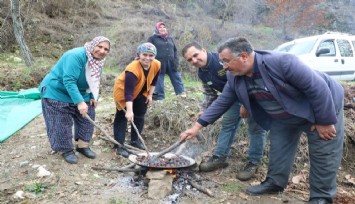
x=94 y=66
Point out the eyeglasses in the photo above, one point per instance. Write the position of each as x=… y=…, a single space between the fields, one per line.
x=226 y=63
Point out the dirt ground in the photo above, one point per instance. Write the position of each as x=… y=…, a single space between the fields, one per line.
x=26 y=151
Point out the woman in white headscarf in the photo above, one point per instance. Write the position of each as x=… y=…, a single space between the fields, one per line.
x=69 y=92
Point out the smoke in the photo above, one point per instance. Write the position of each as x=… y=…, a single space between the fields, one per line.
x=192 y=148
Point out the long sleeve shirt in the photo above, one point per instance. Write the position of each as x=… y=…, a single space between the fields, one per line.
x=66 y=82
x=301 y=91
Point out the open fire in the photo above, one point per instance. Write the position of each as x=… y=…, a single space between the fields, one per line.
x=171 y=183
x=172 y=172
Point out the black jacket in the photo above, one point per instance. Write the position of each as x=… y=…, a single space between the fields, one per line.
x=166 y=49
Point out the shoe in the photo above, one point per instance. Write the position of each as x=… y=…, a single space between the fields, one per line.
x=122 y=152
x=155 y=97
x=70 y=157
x=318 y=201
x=137 y=144
x=248 y=172
x=86 y=152
x=214 y=163
x=182 y=95
x=266 y=187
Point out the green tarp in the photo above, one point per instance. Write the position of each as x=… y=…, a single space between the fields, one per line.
x=17 y=109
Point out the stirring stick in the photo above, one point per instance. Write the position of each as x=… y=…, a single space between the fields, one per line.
x=135 y=128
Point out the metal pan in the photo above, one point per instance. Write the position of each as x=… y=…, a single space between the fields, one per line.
x=167 y=161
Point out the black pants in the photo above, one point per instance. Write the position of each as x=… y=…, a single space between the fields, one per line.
x=120 y=122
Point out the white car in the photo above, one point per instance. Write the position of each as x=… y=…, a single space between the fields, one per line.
x=332 y=53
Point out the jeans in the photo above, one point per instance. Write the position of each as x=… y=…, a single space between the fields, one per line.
x=230 y=124
x=120 y=122
x=325 y=156
x=175 y=78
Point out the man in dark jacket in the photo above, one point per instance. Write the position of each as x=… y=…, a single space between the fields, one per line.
x=284 y=95
x=213 y=78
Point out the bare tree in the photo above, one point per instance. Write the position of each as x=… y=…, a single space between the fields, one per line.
x=228 y=5
x=18 y=31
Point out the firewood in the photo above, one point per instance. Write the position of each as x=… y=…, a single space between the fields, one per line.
x=201 y=188
x=127 y=168
x=169 y=149
x=131 y=149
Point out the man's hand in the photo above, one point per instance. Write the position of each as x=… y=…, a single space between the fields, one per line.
x=190 y=133
x=243 y=113
x=326 y=132
x=93 y=102
x=83 y=108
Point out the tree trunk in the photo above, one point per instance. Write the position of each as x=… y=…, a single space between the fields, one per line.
x=225 y=12
x=18 y=30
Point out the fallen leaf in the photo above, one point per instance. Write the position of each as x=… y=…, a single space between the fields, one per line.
x=275 y=198
x=243 y=142
x=243 y=196
x=297 y=179
x=254 y=183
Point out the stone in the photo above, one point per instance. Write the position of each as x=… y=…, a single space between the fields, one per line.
x=96 y=143
x=17 y=59
x=35 y=166
x=19 y=195
x=42 y=172
x=160 y=184
x=23 y=163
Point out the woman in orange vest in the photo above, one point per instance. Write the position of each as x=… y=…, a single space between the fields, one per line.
x=134 y=89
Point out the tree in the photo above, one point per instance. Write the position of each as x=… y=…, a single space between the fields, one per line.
x=290 y=15
x=18 y=31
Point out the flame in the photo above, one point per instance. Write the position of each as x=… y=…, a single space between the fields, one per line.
x=171 y=171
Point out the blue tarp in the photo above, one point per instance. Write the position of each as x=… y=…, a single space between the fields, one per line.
x=17 y=109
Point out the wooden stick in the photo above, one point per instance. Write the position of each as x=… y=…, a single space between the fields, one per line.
x=108 y=138
x=135 y=128
x=128 y=148
x=201 y=188
x=127 y=168
x=175 y=145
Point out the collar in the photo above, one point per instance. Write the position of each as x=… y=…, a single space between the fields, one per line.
x=209 y=57
x=255 y=66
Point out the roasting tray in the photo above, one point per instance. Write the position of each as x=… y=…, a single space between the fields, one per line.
x=167 y=161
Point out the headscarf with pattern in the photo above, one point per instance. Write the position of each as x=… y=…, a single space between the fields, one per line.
x=156 y=30
x=146 y=47
x=94 y=66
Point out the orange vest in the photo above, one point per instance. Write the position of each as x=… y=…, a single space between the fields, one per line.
x=135 y=68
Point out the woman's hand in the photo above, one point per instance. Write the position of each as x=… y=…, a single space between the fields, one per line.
x=93 y=102
x=83 y=108
x=129 y=115
x=149 y=100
